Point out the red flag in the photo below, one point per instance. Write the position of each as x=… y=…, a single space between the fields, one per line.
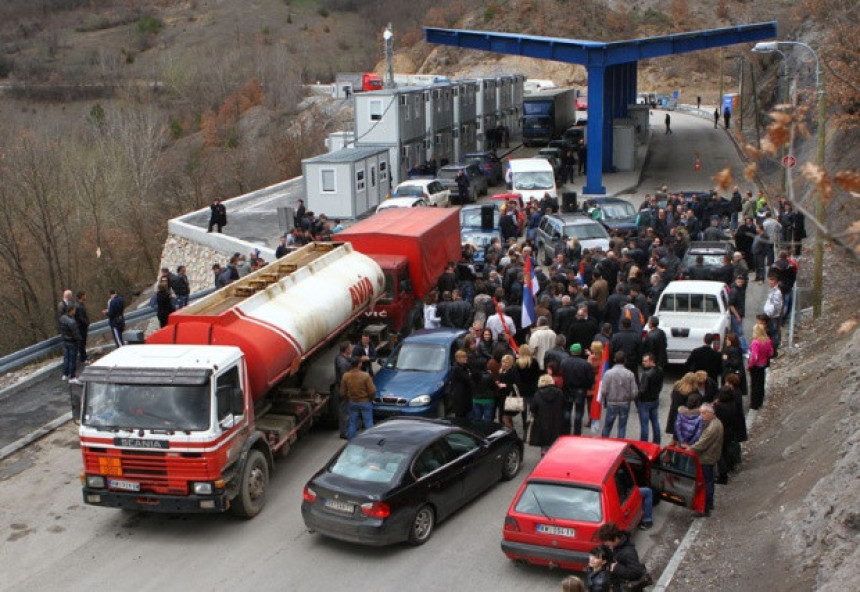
x=513 y=342
x=596 y=408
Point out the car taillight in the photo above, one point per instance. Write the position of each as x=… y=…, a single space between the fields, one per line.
x=309 y=495
x=512 y=524
x=376 y=510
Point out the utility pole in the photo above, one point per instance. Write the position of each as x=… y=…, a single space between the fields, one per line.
x=741 y=94
x=388 y=38
x=720 y=98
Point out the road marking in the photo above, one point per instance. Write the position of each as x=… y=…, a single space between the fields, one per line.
x=677 y=557
x=34 y=435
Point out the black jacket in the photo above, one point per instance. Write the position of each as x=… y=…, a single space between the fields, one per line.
x=628 y=568
x=655 y=343
x=582 y=331
x=563 y=318
x=705 y=358
x=650 y=385
x=548 y=409
x=630 y=342
x=69 y=329
x=462 y=385
x=456 y=314
x=599 y=581
x=577 y=374
x=82 y=318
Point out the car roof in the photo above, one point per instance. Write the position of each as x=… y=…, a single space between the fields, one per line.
x=709 y=245
x=575 y=458
x=573 y=219
x=436 y=336
x=606 y=200
x=398 y=202
x=694 y=286
x=419 y=182
x=411 y=431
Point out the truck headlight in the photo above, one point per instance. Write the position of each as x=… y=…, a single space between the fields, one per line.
x=202 y=488
x=95 y=481
x=420 y=401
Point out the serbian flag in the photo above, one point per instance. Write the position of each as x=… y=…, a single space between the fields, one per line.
x=596 y=404
x=530 y=290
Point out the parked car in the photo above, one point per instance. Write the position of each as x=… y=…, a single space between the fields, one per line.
x=712 y=254
x=397 y=480
x=431 y=190
x=416 y=376
x=617 y=215
x=554 y=231
x=477 y=181
x=401 y=202
x=473 y=232
x=687 y=311
x=583 y=483
x=489 y=164
x=553 y=155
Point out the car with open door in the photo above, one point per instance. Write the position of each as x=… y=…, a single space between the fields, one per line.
x=397 y=480
x=583 y=483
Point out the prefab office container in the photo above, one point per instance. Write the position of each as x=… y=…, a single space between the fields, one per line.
x=348 y=182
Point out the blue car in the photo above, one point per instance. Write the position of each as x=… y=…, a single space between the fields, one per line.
x=471 y=231
x=416 y=377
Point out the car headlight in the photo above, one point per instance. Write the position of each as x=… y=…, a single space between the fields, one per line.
x=95 y=481
x=420 y=401
x=202 y=488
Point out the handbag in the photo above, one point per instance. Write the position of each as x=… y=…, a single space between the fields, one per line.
x=514 y=403
x=638 y=585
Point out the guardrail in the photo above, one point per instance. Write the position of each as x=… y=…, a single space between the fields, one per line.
x=43 y=348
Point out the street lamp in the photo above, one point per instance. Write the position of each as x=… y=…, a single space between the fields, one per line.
x=818 y=256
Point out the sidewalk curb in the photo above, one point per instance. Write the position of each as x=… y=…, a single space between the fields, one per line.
x=678 y=556
x=30 y=379
x=35 y=435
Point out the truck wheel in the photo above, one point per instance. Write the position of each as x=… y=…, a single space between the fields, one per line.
x=422 y=525
x=252 y=489
x=511 y=463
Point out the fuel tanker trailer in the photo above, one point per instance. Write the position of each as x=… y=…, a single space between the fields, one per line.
x=192 y=419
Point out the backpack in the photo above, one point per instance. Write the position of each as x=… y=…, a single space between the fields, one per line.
x=637 y=321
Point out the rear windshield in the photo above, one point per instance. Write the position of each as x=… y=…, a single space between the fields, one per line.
x=708 y=260
x=567 y=502
x=689 y=303
x=409 y=191
x=585 y=231
x=368 y=464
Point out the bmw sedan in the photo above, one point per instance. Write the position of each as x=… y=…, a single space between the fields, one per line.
x=397 y=480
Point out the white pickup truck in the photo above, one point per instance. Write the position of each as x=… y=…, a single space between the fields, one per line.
x=687 y=311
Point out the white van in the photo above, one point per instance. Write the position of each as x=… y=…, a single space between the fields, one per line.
x=532 y=178
x=688 y=310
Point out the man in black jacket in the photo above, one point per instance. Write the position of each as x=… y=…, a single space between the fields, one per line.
x=648 y=401
x=656 y=343
x=706 y=358
x=578 y=377
x=71 y=340
x=583 y=329
x=630 y=342
x=83 y=321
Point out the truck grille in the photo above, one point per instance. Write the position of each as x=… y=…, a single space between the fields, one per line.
x=156 y=471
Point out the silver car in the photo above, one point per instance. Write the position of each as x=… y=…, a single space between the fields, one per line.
x=554 y=231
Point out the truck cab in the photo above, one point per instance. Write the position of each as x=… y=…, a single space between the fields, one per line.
x=395 y=309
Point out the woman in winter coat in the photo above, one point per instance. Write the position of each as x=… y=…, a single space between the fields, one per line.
x=733 y=362
x=507 y=385
x=688 y=423
x=726 y=412
x=529 y=372
x=462 y=385
x=761 y=351
x=486 y=345
x=680 y=391
x=547 y=414
x=163 y=302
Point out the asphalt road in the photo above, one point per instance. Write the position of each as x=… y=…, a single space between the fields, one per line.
x=51 y=540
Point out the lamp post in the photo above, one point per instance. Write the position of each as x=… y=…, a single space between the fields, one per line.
x=818 y=253
x=742 y=59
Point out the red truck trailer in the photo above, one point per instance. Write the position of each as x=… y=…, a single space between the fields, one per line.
x=413 y=246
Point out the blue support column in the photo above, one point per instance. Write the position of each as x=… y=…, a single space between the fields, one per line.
x=594 y=164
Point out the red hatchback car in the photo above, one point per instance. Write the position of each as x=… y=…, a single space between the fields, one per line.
x=583 y=483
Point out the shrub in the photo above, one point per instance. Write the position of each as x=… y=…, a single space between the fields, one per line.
x=322 y=11
x=148 y=25
x=176 y=128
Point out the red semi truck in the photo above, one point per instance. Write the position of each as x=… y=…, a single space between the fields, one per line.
x=192 y=420
x=413 y=246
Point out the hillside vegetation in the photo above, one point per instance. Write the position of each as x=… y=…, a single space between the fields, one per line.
x=119 y=114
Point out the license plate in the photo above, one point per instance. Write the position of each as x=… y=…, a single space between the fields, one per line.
x=122 y=484
x=556 y=530
x=339 y=506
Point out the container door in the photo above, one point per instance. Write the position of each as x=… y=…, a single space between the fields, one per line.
x=373 y=189
x=676 y=476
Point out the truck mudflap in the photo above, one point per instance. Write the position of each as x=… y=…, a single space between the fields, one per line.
x=144 y=502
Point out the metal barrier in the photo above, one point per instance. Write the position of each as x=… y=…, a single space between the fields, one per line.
x=43 y=348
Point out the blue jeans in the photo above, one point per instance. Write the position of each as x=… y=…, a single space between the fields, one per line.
x=70 y=359
x=482 y=410
x=621 y=412
x=647 y=505
x=648 y=413
x=366 y=410
x=738 y=329
x=708 y=472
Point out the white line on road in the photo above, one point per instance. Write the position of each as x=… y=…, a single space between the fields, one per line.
x=668 y=573
x=35 y=435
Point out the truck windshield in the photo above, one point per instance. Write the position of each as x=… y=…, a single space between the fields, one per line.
x=147 y=407
x=533 y=180
x=419 y=357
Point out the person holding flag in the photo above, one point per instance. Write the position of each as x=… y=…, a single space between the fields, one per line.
x=599 y=360
x=530 y=290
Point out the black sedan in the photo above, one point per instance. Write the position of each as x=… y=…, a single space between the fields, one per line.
x=397 y=480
